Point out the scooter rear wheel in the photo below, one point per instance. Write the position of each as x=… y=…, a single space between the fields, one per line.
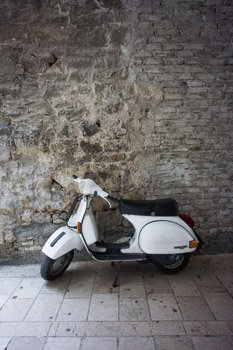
x=52 y=269
x=177 y=267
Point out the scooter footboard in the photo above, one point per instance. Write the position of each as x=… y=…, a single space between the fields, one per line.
x=166 y=237
x=61 y=242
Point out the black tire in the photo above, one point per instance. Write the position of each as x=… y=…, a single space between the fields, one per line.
x=52 y=269
x=177 y=267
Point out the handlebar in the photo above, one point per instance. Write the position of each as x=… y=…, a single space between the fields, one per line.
x=89 y=187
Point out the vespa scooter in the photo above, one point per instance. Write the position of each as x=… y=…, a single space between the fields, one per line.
x=161 y=235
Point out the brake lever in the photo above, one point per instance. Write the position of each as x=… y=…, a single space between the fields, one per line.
x=110 y=205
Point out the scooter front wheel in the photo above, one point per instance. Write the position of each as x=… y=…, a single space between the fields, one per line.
x=52 y=269
x=179 y=265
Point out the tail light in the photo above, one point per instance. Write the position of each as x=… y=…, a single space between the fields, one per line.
x=188 y=220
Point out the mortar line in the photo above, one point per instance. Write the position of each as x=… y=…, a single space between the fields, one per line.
x=90 y=298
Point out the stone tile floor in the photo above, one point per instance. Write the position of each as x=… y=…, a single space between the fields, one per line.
x=149 y=310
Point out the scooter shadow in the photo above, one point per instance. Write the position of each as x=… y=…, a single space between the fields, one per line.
x=86 y=277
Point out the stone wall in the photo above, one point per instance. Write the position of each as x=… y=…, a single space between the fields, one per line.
x=137 y=95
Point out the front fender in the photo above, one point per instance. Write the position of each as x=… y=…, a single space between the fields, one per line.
x=61 y=242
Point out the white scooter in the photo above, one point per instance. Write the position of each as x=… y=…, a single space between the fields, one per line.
x=161 y=235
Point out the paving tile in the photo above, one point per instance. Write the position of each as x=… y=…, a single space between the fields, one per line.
x=8 y=285
x=220 y=263
x=74 y=310
x=208 y=283
x=15 y=309
x=136 y=343
x=100 y=269
x=58 y=286
x=132 y=286
x=157 y=284
x=3 y=299
x=207 y=328
x=226 y=280
x=88 y=269
x=203 y=262
x=107 y=329
x=63 y=329
x=114 y=328
x=26 y=343
x=45 y=307
x=173 y=343
x=62 y=343
x=230 y=325
x=221 y=304
x=230 y=340
x=210 y=262
x=167 y=328
x=213 y=343
x=80 y=287
x=145 y=268
x=129 y=269
x=4 y=342
x=195 y=270
x=198 y=265
x=28 y=317
x=17 y=329
x=131 y=309
x=28 y=288
x=230 y=290
x=18 y=271
x=99 y=343
x=33 y=271
x=163 y=306
x=103 y=284
x=184 y=286
x=194 y=308
x=104 y=307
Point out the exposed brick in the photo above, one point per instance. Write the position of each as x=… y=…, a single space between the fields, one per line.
x=153 y=85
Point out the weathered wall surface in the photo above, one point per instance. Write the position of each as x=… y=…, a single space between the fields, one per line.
x=138 y=94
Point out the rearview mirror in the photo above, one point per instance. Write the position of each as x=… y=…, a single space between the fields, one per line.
x=63 y=215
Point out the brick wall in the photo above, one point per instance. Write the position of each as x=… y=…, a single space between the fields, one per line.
x=136 y=94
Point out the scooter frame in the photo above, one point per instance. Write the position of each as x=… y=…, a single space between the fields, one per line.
x=71 y=236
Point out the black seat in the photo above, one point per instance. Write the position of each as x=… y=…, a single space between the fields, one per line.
x=159 y=207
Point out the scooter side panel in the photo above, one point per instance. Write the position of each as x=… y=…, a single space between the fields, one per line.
x=89 y=228
x=61 y=242
x=164 y=237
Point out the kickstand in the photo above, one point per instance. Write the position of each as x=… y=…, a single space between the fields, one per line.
x=116 y=279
